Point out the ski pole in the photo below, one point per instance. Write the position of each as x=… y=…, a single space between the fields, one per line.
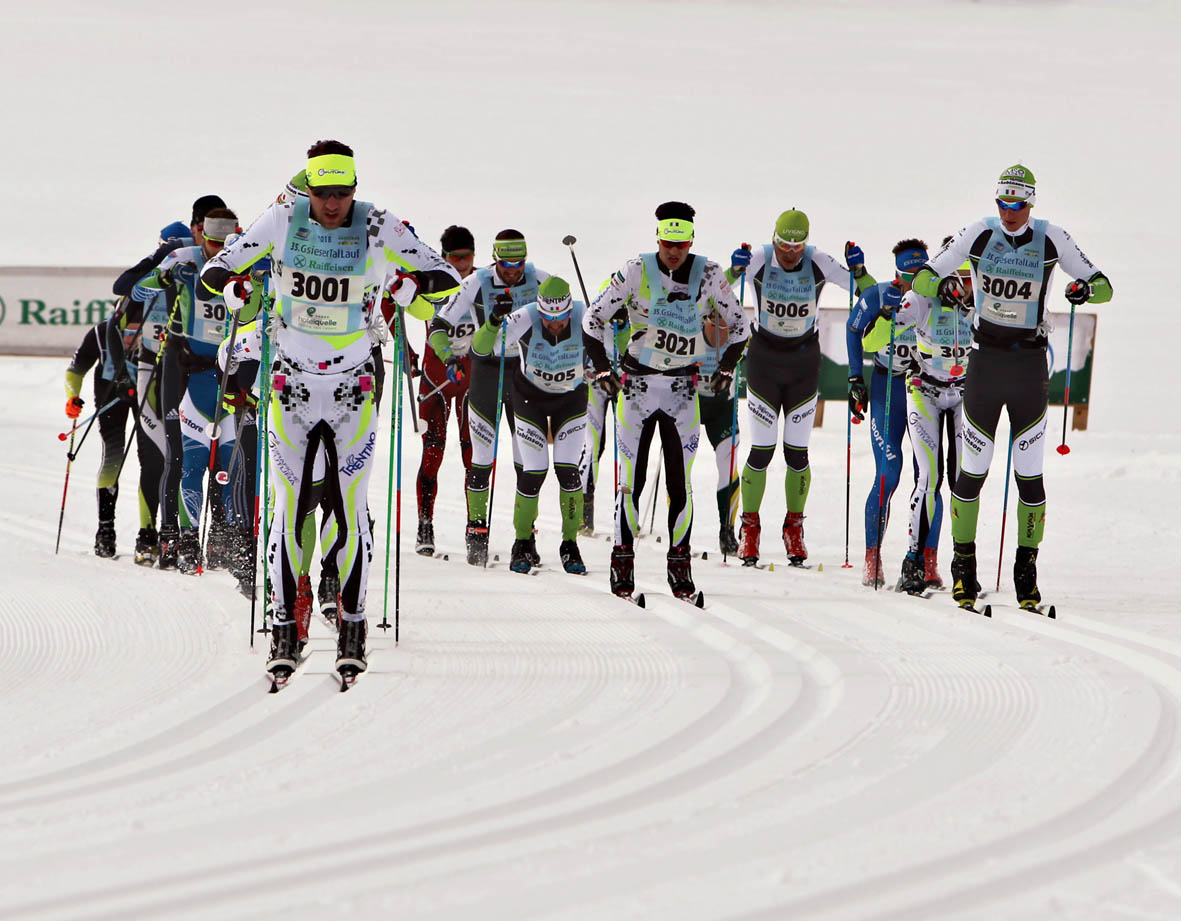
x=404 y=357
x=879 y=575
x=62 y=516
x=422 y=398
x=731 y=494
x=213 y=433
x=614 y=417
x=1004 y=513
x=496 y=432
x=569 y=240
x=1064 y=448
x=88 y=422
x=262 y=479
x=135 y=422
x=395 y=406
x=848 y=452
x=656 y=488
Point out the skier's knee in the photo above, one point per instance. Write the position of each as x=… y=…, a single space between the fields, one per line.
x=760 y=458
x=797 y=458
x=1032 y=490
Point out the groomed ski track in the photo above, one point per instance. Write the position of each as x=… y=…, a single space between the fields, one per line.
x=802 y=748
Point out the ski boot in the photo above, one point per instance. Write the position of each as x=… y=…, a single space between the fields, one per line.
x=328 y=594
x=1025 y=578
x=350 y=649
x=531 y=551
x=477 y=543
x=680 y=574
x=914 y=579
x=793 y=538
x=519 y=560
x=284 y=651
x=169 y=538
x=623 y=571
x=931 y=568
x=424 y=545
x=872 y=575
x=188 y=551
x=147 y=547
x=104 y=540
x=727 y=541
x=588 y=512
x=571 y=558
x=748 y=535
x=964 y=587
x=219 y=548
x=303 y=609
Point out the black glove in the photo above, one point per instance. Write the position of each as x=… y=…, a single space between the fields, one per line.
x=951 y=292
x=1078 y=292
x=858 y=396
x=502 y=306
x=455 y=369
x=890 y=301
x=609 y=382
x=123 y=387
x=720 y=382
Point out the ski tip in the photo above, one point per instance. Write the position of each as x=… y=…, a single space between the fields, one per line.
x=274 y=687
x=446 y=557
x=1052 y=613
x=705 y=554
x=496 y=558
x=987 y=612
x=699 y=601
x=820 y=567
x=640 y=603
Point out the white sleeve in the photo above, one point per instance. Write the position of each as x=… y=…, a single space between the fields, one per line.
x=454 y=311
x=757 y=264
x=913 y=310
x=624 y=284
x=253 y=243
x=718 y=290
x=957 y=250
x=1071 y=258
x=833 y=271
x=519 y=322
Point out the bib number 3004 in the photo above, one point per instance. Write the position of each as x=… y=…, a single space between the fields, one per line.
x=674 y=344
x=1007 y=288
x=315 y=288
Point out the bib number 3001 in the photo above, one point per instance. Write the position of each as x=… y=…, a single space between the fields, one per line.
x=315 y=288
x=674 y=344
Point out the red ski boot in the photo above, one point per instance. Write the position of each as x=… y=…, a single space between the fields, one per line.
x=748 y=538
x=793 y=538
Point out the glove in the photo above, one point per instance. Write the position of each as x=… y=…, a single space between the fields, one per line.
x=124 y=388
x=502 y=306
x=951 y=292
x=236 y=293
x=455 y=370
x=74 y=407
x=890 y=301
x=858 y=396
x=608 y=382
x=1078 y=292
x=401 y=293
x=235 y=398
x=409 y=227
x=854 y=257
x=720 y=382
x=740 y=258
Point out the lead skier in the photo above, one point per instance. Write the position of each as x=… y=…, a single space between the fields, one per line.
x=333 y=259
x=1013 y=259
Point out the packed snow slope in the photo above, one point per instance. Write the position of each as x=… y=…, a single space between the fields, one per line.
x=533 y=748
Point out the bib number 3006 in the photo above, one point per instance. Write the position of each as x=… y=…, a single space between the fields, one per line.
x=674 y=344
x=315 y=288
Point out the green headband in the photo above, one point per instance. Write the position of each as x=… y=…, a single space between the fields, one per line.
x=509 y=250
x=331 y=169
x=674 y=230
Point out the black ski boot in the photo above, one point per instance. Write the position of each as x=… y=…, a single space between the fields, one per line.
x=218 y=548
x=571 y=558
x=623 y=572
x=1025 y=577
x=169 y=538
x=531 y=550
x=964 y=587
x=520 y=561
x=680 y=574
x=477 y=543
x=147 y=547
x=914 y=576
x=328 y=596
x=350 y=649
x=727 y=541
x=104 y=540
x=424 y=544
x=284 y=651
x=188 y=551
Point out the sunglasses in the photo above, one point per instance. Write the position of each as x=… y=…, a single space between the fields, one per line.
x=341 y=192
x=676 y=244
x=1011 y=205
x=514 y=264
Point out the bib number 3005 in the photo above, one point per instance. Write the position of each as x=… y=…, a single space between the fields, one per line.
x=315 y=288
x=674 y=344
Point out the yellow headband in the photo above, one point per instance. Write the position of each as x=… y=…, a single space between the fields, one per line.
x=331 y=169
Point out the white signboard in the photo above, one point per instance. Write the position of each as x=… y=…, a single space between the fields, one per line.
x=46 y=310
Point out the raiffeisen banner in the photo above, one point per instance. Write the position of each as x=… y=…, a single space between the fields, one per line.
x=46 y=310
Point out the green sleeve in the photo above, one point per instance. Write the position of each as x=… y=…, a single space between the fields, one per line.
x=1100 y=289
x=441 y=343
x=865 y=282
x=731 y=275
x=73 y=383
x=484 y=341
x=926 y=283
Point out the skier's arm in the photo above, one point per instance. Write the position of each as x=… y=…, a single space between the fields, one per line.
x=447 y=316
x=438 y=282
x=947 y=260
x=864 y=313
x=519 y=322
x=85 y=356
x=1074 y=262
x=756 y=265
x=125 y=282
x=252 y=245
x=597 y=318
x=716 y=286
x=837 y=274
x=877 y=333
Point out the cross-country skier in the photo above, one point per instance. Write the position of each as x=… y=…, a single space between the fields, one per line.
x=333 y=258
x=442 y=387
x=1013 y=258
x=933 y=397
x=888 y=375
x=718 y=420
x=549 y=399
x=172 y=237
x=667 y=295
x=509 y=283
x=597 y=404
x=783 y=367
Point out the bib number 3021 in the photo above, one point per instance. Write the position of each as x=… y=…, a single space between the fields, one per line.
x=315 y=288
x=674 y=344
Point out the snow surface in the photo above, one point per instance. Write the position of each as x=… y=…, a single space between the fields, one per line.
x=534 y=748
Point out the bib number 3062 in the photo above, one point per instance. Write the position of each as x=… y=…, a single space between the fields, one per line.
x=315 y=288
x=674 y=344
